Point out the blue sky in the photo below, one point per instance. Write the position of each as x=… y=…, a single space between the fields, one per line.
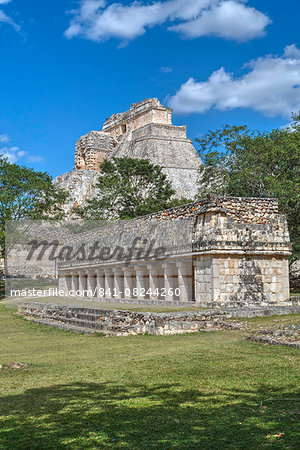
x=68 y=65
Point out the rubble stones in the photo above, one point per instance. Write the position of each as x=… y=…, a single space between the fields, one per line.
x=113 y=322
x=283 y=335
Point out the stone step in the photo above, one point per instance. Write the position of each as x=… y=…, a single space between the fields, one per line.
x=74 y=315
x=86 y=321
x=72 y=320
x=68 y=327
x=79 y=326
x=59 y=315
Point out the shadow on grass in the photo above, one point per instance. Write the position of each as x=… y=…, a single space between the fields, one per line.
x=159 y=417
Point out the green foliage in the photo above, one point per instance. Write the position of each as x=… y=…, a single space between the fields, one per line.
x=27 y=194
x=128 y=188
x=243 y=162
x=179 y=201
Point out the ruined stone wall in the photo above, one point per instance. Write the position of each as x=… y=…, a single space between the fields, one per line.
x=243 y=247
x=113 y=322
x=241 y=209
x=140 y=114
x=240 y=248
x=241 y=280
x=91 y=150
x=80 y=185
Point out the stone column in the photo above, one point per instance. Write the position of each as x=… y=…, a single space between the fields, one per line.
x=142 y=283
x=82 y=283
x=109 y=283
x=285 y=280
x=128 y=282
x=185 y=281
x=169 y=284
x=154 y=281
x=100 y=284
x=63 y=282
x=92 y=282
x=118 y=283
x=75 y=282
x=215 y=279
x=203 y=279
x=68 y=283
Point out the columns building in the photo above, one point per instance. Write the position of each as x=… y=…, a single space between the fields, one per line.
x=214 y=252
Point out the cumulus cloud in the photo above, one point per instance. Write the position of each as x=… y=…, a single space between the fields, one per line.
x=270 y=85
x=4 y=18
x=229 y=19
x=15 y=154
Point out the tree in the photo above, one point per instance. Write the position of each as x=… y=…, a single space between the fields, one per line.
x=243 y=162
x=128 y=188
x=27 y=194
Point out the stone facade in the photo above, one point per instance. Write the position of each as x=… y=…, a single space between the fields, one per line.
x=217 y=252
x=91 y=150
x=145 y=132
x=80 y=186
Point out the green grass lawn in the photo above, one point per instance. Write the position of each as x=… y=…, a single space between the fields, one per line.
x=204 y=390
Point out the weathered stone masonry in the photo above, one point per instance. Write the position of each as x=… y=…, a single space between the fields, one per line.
x=143 y=132
x=220 y=252
x=122 y=323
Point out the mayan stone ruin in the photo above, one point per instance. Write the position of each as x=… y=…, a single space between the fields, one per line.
x=218 y=252
x=144 y=131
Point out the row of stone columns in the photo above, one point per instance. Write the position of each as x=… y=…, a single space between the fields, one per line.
x=167 y=281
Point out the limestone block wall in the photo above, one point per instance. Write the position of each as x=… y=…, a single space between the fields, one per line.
x=168 y=147
x=163 y=145
x=147 y=111
x=238 y=280
x=241 y=209
x=80 y=184
x=242 y=256
x=91 y=150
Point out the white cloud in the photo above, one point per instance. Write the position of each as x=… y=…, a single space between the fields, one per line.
x=4 y=18
x=166 y=69
x=14 y=154
x=270 y=85
x=4 y=139
x=230 y=19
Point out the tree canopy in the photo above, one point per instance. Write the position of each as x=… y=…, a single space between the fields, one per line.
x=27 y=194
x=243 y=162
x=128 y=188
